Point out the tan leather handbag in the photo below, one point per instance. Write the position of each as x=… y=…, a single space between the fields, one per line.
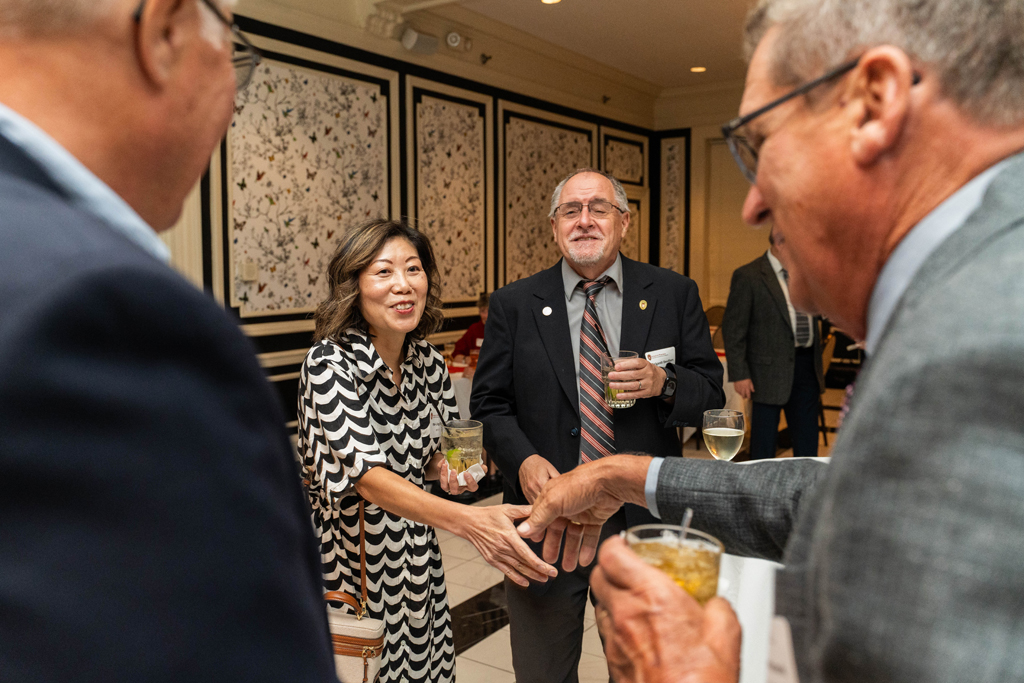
x=358 y=640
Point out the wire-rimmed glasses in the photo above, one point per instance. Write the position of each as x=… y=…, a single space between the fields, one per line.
x=598 y=208
x=745 y=152
x=246 y=56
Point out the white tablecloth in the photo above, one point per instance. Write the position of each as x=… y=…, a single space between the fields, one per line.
x=749 y=585
x=463 y=388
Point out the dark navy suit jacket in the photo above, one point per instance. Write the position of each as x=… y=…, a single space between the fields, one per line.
x=525 y=387
x=152 y=523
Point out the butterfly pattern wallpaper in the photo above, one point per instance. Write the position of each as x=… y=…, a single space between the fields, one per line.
x=450 y=192
x=309 y=160
x=537 y=157
x=672 y=200
x=630 y=246
x=625 y=161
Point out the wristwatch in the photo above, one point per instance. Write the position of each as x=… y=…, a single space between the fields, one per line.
x=669 y=389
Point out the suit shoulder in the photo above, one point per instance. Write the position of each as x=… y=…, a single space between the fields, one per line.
x=514 y=291
x=749 y=270
x=664 y=277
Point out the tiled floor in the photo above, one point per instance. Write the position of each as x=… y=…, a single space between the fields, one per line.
x=490 y=659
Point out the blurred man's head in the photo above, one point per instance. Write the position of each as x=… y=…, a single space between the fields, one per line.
x=141 y=93
x=924 y=95
x=482 y=304
x=589 y=217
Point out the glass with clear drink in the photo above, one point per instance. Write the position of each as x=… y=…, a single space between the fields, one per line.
x=723 y=432
x=608 y=365
x=691 y=558
x=462 y=442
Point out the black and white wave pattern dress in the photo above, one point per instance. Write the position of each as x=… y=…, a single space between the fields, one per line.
x=352 y=417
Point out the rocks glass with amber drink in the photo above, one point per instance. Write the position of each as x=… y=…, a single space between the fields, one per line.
x=608 y=365
x=690 y=557
x=462 y=442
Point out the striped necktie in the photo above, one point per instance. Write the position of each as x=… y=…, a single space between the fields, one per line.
x=598 y=431
x=803 y=321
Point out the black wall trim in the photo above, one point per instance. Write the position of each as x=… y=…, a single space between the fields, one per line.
x=286 y=35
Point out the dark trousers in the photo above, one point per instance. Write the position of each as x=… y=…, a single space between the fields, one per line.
x=547 y=628
x=802 y=412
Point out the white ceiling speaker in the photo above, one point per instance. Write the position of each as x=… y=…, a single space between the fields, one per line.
x=421 y=43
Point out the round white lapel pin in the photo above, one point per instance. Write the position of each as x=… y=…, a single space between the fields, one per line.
x=546 y=310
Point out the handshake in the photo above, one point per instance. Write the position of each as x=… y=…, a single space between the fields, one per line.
x=652 y=629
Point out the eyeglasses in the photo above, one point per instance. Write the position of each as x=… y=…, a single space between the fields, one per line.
x=599 y=208
x=738 y=140
x=246 y=56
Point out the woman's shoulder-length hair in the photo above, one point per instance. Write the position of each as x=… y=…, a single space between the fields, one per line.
x=340 y=310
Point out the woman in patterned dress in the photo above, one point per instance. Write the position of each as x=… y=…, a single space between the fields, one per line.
x=367 y=392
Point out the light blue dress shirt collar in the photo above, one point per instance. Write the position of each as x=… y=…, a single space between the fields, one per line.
x=571 y=279
x=914 y=249
x=85 y=190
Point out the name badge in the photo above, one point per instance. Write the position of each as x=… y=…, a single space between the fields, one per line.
x=662 y=357
x=436 y=426
x=781 y=660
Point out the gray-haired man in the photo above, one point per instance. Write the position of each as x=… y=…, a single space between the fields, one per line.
x=544 y=411
x=894 y=173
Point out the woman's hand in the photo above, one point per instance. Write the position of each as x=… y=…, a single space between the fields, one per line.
x=492 y=531
x=450 y=480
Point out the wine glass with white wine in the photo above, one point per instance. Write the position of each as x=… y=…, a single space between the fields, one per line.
x=723 y=432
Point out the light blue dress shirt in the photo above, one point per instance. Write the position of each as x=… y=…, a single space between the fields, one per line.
x=904 y=262
x=85 y=190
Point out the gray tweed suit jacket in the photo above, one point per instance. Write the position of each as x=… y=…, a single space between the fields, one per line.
x=905 y=557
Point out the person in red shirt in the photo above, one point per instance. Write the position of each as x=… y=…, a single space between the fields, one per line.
x=474 y=336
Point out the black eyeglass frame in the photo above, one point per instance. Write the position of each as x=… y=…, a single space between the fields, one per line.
x=250 y=57
x=729 y=129
x=558 y=209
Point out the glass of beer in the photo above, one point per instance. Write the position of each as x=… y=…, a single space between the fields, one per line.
x=723 y=432
x=462 y=442
x=690 y=557
x=608 y=365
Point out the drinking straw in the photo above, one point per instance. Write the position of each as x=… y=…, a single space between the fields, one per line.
x=687 y=518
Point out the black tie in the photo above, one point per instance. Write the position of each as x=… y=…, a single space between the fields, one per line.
x=598 y=430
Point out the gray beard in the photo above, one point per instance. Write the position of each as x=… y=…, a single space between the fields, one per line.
x=585 y=260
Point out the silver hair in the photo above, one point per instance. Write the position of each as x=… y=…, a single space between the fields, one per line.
x=620 y=191
x=976 y=47
x=51 y=17
x=58 y=17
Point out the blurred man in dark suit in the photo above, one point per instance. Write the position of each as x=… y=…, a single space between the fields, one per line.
x=774 y=356
x=152 y=523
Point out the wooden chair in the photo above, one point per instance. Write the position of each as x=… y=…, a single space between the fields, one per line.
x=828 y=350
x=714 y=315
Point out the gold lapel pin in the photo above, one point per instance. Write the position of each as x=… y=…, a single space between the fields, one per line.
x=643 y=304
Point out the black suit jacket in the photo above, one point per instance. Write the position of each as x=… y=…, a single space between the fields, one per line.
x=152 y=523
x=758 y=334
x=525 y=388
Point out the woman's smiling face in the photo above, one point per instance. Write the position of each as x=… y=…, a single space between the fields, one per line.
x=393 y=290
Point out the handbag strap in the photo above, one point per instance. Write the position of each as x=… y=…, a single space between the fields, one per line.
x=362 y=553
x=337 y=596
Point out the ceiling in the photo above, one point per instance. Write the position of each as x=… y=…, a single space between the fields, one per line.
x=656 y=40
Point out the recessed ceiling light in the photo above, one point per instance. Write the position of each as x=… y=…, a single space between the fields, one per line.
x=551 y=2
x=698 y=69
